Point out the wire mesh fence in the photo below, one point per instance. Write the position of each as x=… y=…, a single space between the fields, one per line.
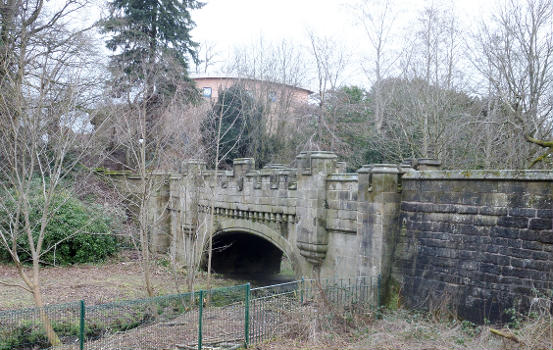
x=270 y=306
x=35 y=328
x=228 y=317
x=151 y=323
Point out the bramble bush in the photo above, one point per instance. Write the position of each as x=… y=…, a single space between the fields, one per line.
x=77 y=232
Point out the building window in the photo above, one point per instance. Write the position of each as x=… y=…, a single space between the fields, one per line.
x=206 y=92
x=272 y=96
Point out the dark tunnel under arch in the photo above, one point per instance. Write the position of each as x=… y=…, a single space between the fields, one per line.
x=238 y=252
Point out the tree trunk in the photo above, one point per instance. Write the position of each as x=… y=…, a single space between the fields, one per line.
x=212 y=206
x=144 y=242
x=46 y=323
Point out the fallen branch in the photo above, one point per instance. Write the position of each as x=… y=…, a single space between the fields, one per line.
x=505 y=335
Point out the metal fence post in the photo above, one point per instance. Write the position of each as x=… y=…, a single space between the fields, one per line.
x=247 y=316
x=200 y=316
x=81 y=326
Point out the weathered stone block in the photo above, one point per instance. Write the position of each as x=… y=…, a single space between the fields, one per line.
x=528 y=213
x=533 y=245
x=529 y=235
x=506 y=244
x=540 y=224
x=463 y=209
x=496 y=259
x=545 y=237
x=490 y=268
x=495 y=211
x=509 y=221
x=544 y=213
x=507 y=232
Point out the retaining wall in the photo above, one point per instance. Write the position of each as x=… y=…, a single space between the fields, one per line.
x=480 y=240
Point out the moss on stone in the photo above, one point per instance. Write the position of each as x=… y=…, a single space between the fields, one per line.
x=392 y=298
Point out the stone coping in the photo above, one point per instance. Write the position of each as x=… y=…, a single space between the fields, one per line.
x=499 y=175
x=317 y=155
x=240 y=161
x=346 y=177
x=380 y=169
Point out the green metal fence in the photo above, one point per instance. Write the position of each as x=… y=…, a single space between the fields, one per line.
x=271 y=306
x=228 y=317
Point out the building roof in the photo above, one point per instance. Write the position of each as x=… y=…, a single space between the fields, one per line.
x=237 y=77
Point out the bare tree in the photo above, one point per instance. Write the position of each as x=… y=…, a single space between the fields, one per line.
x=425 y=107
x=191 y=228
x=377 y=19
x=230 y=124
x=46 y=103
x=514 y=53
x=330 y=61
x=275 y=70
x=207 y=57
x=151 y=133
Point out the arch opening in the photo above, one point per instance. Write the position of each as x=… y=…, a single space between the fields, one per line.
x=248 y=256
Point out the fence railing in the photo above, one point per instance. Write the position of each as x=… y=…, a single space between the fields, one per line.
x=227 y=317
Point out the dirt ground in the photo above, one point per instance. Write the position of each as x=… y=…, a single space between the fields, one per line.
x=121 y=279
x=118 y=279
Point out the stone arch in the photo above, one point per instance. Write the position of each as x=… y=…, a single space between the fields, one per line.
x=263 y=232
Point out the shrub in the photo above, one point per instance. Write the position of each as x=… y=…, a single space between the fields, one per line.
x=76 y=232
x=27 y=336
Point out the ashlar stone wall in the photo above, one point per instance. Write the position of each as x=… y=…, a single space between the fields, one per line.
x=309 y=212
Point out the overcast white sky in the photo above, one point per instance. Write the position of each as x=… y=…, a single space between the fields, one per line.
x=232 y=23
x=239 y=21
x=228 y=24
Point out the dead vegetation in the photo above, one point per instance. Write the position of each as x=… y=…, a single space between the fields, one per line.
x=310 y=328
x=119 y=279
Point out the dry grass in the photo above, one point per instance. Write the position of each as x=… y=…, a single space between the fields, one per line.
x=534 y=330
x=118 y=279
x=406 y=330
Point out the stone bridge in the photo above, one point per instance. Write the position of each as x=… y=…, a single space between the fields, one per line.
x=481 y=239
x=322 y=219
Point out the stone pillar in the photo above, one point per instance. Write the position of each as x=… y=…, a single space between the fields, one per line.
x=158 y=213
x=185 y=194
x=312 y=236
x=377 y=220
x=188 y=192
x=196 y=166
x=428 y=164
x=240 y=166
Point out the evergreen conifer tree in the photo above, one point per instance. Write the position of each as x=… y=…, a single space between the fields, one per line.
x=151 y=42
